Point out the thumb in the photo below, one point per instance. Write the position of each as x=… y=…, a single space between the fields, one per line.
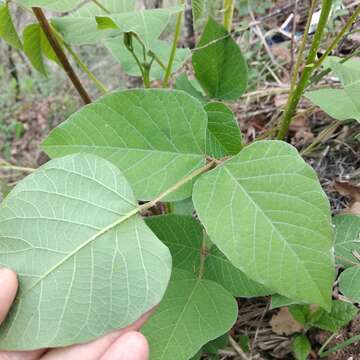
x=8 y=289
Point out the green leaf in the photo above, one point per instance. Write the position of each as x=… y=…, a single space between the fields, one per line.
x=219 y=64
x=7 y=28
x=197 y=9
x=224 y=137
x=32 y=47
x=183 y=207
x=301 y=347
x=86 y=261
x=278 y=301
x=193 y=312
x=341 y=314
x=349 y=283
x=80 y=27
x=161 y=48
x=347 y=239
x=184 y=235
x=301 y=313
x=266 y=211
x=185 y=84
x=147 y=24
x=36 y=45
x=55 y=5
x=341 y=104
x=156 y=137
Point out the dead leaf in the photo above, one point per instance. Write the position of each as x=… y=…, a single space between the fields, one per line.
x=283 y=323
x=351 y=191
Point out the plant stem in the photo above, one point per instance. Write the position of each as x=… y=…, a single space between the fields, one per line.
x=173 y=48
x=340 y=346
x=178 y=185
x=339 y=36
x=86 y=70
x=228 y=14
x=298 y=90
x=60 y=54
x=7 y=166
x=101 y=6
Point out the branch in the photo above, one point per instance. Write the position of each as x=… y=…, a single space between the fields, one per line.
x=60 y=54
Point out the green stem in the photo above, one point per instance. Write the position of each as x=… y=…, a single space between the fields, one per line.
x=86 y=70
x=101 y=6
x=297 y=92
x=228 y=14
x=339 y=36
x=173 y=48
x=340 y=346
x=146 y=76
x=16 y=168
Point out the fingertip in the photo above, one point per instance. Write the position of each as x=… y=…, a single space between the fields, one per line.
x=8 y=289
x=130 y=346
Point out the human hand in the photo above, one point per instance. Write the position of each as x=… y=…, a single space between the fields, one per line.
x=124 y=344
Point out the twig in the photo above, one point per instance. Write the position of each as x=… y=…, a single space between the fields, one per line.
x=238 y=349
x=60 y=54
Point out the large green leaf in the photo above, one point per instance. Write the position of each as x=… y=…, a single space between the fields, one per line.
x=342 y=104
x=266 y=211
x=154 y=136
x=161 y=48
x=219 y=64
x=7 y=28
x=193 y=312
x=147 y=24
x=224 y=137
x=55 y=5
x=184 y=235
x=80 y=27
x=347 y=239
x=87 y=263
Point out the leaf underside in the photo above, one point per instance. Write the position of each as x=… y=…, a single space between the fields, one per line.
x=156 y=137
x=87 y=263
x=266 y=211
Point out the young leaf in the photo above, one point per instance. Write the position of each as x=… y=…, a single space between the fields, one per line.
x=161 y=48
x=147 y=24
x=193 y=312
x=341 y=104
x=55 y=5
x=301 y=347
x=7 y=28
x=266 y=211
x=341 y=314
x=156 y=137
x=80 y=27
x=349 y=283
x=185 y=84
x=184 y=235
x=32 y=47
x=87 y=263
x=219 y=64
x=347 y=239
x=224 y=136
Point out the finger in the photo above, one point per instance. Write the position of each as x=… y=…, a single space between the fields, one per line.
x=8 y=289
x=95 y=349
x=21 y=355
x=130 y=346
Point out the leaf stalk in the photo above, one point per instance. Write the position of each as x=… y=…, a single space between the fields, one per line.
x=228 y=14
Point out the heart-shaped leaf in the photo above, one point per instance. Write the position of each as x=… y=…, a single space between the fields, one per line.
x=347 y=239
x=219 y=64
x=224 y=137
x=7 y=28
x=184 y=236
x=156 y=137
x=266 y=211
x=87 y=263
x=193 y=312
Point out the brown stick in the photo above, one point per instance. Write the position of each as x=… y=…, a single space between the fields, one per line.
x=60 y=54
